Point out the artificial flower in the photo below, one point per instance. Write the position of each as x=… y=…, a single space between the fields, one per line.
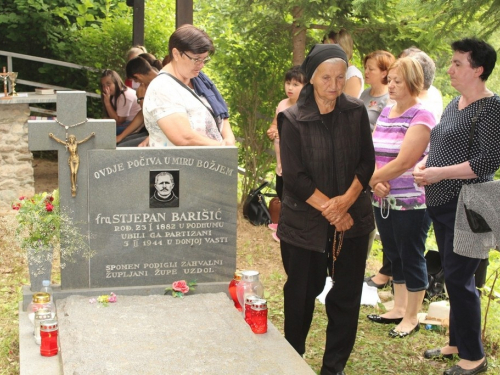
x=180 y=287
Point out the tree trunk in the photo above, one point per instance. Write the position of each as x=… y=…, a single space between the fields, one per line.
x=298 y=37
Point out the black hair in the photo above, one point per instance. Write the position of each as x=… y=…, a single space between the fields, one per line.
x=152 y=60
x=138 y=65
x=297 y=74
x=481 y=54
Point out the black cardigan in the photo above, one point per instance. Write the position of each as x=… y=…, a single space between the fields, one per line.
x=314 y=157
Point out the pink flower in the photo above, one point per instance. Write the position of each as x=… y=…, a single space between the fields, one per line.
x=180 y=286
x=112 y=297
x=21 y=198
x=49 y=207
x=16 y=206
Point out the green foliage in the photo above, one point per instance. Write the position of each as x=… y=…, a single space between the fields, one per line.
x=248 y=68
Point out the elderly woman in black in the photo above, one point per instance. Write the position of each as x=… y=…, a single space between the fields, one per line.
x=450 y=164
x=327 y=159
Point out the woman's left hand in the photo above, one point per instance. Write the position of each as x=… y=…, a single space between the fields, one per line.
x=344 y=223
x=336 y=208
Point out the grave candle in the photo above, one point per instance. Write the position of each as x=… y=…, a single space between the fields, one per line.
x=248 y=307
x=259 y=316
x=48 y=333
x=232 y=289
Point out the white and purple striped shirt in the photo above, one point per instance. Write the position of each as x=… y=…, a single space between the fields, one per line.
x=387 y=139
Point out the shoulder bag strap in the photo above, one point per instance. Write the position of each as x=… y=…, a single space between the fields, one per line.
x=196 y=96
x=473 y=127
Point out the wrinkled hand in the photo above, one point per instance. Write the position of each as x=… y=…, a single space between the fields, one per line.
x=272 y=133
x=382 y=189
x=344 y=223
x=335 y=209
x=427 y=176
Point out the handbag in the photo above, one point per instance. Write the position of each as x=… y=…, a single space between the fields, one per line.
x=477 y=223
x=255 y=208
x=435 y=275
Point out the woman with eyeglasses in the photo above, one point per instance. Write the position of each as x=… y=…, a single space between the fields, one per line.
x=174 y=114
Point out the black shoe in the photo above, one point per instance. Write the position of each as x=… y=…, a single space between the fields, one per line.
x=370 y=282
x=457 y=370
x=436 y=354
x=379 y=319
x=393 y=333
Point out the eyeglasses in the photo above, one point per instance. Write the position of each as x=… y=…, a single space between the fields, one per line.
x=139 y=100
x=198 y=61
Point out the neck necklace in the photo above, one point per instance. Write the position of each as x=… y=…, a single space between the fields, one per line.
x=70 y=126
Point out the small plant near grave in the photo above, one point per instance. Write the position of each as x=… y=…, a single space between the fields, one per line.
x=39 y=220
x=180 y=287
x=42 y=225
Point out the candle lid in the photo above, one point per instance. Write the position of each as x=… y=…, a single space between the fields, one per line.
x=237 y=275
x=250 y=275
x=251 y=298
x=48 y=325
x=259 y=304
x=41 y=297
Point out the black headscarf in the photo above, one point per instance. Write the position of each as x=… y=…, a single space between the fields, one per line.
x=320 y=53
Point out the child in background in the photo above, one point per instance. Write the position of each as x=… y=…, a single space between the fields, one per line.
x=295 y=79
x=131 y=53
x=120 y=102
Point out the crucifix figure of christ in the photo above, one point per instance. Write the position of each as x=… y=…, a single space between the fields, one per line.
x=74 y=160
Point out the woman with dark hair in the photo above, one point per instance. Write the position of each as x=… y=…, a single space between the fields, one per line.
x=119 y=101
x=458 y=157
x=327 y=161
x=174 y=114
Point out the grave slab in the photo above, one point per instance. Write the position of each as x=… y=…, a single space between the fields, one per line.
x=199 y=334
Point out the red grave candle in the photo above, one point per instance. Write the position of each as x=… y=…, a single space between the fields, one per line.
x=48 y=332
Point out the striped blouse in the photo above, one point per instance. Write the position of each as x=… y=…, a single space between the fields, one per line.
x=387 y=139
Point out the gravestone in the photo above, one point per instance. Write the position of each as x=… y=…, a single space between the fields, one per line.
x=140 y=238
x=142 y=241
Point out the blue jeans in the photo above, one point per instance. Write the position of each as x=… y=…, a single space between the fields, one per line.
x=403 y=235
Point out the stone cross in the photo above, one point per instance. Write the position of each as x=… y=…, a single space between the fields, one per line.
x=72 y=120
